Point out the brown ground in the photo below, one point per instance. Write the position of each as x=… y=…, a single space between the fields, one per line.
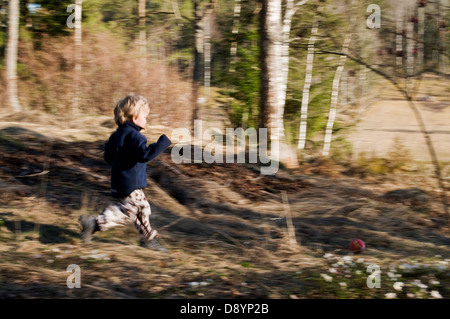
x=225 y=226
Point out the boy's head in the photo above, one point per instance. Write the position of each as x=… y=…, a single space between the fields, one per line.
x=132 y=108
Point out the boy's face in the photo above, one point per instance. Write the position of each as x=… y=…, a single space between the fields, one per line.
x=141 y=119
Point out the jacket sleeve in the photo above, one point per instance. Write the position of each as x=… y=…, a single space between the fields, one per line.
x=147 y=153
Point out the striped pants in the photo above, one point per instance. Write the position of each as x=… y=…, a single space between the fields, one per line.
x=133 y=209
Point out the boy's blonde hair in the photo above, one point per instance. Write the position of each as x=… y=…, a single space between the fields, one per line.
x=128 y=107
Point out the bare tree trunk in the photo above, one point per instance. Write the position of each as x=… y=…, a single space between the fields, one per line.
x=335 y=95
x=399 y=39
x=11 y=55
x=443 y=38
x=409 y=53
x=198 y=51
x=271 y=63
x=307 y=84
x=235 y=31
x=271 y=76
x=335 y=86
x=207 y=52
x=272 y=86
x=78 y=54
x=421 y=38
x=291 y=8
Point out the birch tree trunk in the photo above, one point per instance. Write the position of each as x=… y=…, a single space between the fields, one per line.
x=399 y=39
x=11 y=55
x=421 y=39
x=270 y=29
x=273 y=92
x=271 y=43
x=335 y=86
x=235 y=32
x=207 y=53
x=409 y=54
x=291 y=8
x=78 y=54
x=335 y=96
x=307 y=84
x=198 y=51
x=443 y=38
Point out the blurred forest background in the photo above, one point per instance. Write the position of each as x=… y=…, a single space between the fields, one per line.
x=182 y=53
x=359 y=91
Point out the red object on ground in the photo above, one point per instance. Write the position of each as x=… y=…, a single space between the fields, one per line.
x=357 y=245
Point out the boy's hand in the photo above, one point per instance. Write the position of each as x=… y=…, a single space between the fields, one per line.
x=164 y=137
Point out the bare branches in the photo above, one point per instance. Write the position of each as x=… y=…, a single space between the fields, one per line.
x=370 y=67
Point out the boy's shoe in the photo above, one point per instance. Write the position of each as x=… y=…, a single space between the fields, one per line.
x=154 y=244
x=88 y=225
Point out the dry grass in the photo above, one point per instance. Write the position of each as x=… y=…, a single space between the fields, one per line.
x=47 y=79
x=225 y=226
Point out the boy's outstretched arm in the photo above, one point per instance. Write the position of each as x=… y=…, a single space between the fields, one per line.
x=146 y=154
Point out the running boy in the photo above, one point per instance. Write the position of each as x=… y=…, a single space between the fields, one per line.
x=127 y=152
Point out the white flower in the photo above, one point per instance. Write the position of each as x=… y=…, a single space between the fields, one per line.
x=410 y=295
x=436 y=294
x=332 y=270
x=347 y=259
x=327 y=278
x=434 y=282
x=328 y=255
x=391 y=275
x=419 y=284
x=343 y=284
x=398 y=286
x=391 y=295
x=358 y=272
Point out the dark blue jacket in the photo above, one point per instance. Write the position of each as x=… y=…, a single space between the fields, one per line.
x=127 y=152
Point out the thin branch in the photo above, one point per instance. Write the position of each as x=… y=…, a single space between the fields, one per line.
x=361 y=62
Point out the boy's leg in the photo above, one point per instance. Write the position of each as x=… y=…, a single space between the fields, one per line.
x=148 y=234
x=114 y=215
x=110 y=217
x=133 y=209
x=142 y=211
